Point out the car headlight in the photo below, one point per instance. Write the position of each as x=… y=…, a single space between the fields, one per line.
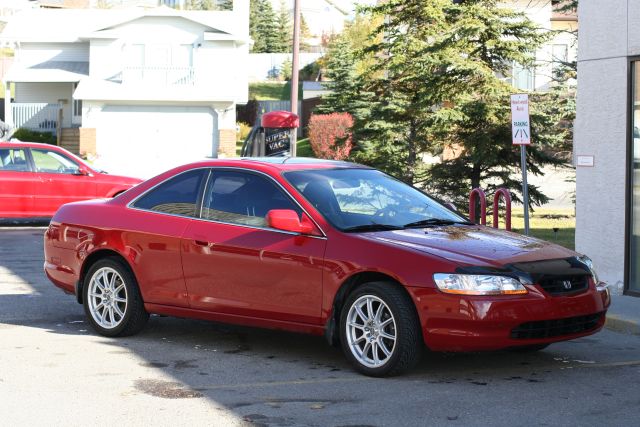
x=587 y=261
x=476 y=284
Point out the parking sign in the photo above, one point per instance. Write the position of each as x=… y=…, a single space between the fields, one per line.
x=520 y=128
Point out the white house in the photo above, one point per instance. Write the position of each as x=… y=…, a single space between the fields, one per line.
x=155 y=87
x=561 y=48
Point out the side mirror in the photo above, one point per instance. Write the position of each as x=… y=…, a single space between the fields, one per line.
x=82 y=170
x=288 y=220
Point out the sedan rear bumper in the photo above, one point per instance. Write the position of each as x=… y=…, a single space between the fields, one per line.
x=464 y=323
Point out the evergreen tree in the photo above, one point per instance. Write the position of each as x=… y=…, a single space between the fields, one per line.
x=286 y=69
x=342 y=79
x=263 y=27
x=208 y=5
x=343 y=65
x=254 y=17
x=305 y=35
x=435 y=84
x=284 y=30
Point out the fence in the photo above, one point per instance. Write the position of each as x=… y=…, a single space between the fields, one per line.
x=40 y=116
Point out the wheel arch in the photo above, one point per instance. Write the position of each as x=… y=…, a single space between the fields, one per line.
x=92 y=259
x=332 y=333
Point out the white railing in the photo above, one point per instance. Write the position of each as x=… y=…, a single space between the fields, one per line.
x=38 y=116
x=167 y=76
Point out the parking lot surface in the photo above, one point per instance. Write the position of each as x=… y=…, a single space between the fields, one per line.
x=54 y=370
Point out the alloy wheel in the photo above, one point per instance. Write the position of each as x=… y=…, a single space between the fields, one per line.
x=371 y=331
x=107 y=298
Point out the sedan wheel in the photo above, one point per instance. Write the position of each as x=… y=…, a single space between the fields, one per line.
x=380 y=330
x=371 y=331
x=112 y=300
x=107 y=298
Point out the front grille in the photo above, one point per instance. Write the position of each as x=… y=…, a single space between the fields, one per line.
x=556 y=327
x=565 y=285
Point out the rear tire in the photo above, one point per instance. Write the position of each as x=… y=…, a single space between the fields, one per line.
x=380 y=330
x=112 y=300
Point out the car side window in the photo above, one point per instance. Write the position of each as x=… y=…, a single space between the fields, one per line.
x=243 y=198
x=14 y=160
x=178 y=196
x=49 y=161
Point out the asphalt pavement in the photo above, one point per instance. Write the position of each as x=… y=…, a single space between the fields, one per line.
x=54 y=370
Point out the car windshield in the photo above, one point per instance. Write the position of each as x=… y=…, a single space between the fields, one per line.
x=367 y=199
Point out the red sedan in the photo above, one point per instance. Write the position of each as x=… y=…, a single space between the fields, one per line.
x=322 y=247
x=36 y=179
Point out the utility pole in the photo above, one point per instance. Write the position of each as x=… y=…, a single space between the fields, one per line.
x=294 y=71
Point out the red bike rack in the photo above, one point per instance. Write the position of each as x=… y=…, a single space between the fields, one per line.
x=507 y=201
x=478 y=193
x=473 y=196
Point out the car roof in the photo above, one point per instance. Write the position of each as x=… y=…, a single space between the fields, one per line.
x=277 y=163
x=288 y=163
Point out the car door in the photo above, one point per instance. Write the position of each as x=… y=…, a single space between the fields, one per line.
x=59 y=181
x=17 y=184
x=234 y=263
x=160 y=218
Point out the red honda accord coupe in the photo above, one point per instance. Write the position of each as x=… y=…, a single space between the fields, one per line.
x=36 y=179
x=320 y=247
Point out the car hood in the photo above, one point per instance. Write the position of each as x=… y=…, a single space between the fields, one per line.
x=473 y=245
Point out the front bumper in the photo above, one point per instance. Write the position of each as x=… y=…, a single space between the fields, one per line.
x=473 y=323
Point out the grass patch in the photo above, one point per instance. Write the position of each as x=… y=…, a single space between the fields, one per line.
x=304 y=148
x=272 y=91
x=543 y=221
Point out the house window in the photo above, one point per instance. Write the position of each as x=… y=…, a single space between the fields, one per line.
x=162 y=64
x=158 y=55
x=77 y=104
x=522 y=77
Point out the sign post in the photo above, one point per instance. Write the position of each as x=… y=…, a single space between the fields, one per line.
x=521 y=133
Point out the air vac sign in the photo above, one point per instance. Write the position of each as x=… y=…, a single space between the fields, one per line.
x=520 y=128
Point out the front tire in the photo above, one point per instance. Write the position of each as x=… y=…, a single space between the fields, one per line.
x=112 y=300
x=380 y=330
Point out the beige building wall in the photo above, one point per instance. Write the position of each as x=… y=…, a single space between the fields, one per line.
x=607 y=38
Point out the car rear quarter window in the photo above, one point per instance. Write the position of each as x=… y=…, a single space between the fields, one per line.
x=243 y=198
x=13 y=160
x=178 y=196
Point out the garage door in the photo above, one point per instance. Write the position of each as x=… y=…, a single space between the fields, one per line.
x=143 y=141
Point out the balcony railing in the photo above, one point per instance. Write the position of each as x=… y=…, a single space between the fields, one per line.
x=167 y=76
x=38 y=116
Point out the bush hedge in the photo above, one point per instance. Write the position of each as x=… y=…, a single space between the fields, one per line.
x=29 y=135
x=330 y=135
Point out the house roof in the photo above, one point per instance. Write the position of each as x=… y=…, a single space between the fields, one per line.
x=49 y=71
x=71 y=25
x=312 y=85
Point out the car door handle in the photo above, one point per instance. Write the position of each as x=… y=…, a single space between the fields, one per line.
x=201 y=242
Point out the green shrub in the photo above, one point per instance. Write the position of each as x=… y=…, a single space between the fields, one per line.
x=29 y=135
x=243 y=131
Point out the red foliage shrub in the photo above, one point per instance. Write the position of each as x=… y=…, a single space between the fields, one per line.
x=330 y=135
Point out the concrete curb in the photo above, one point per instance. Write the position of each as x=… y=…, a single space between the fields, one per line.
x=623 y=325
